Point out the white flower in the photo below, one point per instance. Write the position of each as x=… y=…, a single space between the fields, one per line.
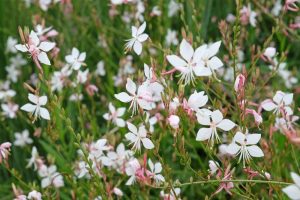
x=97 y=148
x=36 y=48
x=59 y=78
x=213 y=166
x=13 y=73
x=22 y=139
x=115 y=115
x=245 y=146
x=138 y=36
x=100 y=69
x=293 y=191
x=10 y=110
x=10 y=45
x=201 y=62
x=197 y=100
x=82 y=169
x=138 y=136
x=119 y=2
x=34 y=195
x=34 y=159
x=143 y=98
x=44 y=4
x=82 y=76
x=119 y=157
x=50 y=176
x=214 y=121
x=156 y=169
x=76 y=59
x=7 y=94
x=131 y=168
x=173 y=8
x=171 y=38
x=36 y=109
x=281 y=102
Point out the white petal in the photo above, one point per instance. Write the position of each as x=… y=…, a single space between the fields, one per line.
x=137 y=47
x=151 y=165
x=133 y=31
x=233 y=148
x=255 y=151
x=34 y=38
x=70 y=59
x=44 y=113
x=253 y=138
x=296 y=178
x=204 y=134
x=199 y=53
x=147 y=143
x=43 y=58
x=121 y=111
x=124 y=97
x=143 y=37
x=47 y=46
x=288 y=99
x=215 y=63
x=177 y=63
x=268 y=105
x=81 y=57
x=141 y=29
x=239 y=137
x=33 y=98
x=132 y=127
x=186 y=50
x=131 y=137
x=43 y=100
x=75 y=52
x=28 y=107
x=130 y=86
x=120 y=122
x=202 y=71
x=213 y=49
x=216 y=116
x=226 y=125
x=21 y=47
x=158 y=168
x=292 y=191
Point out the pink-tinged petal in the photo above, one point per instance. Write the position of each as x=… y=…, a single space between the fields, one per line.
x=132 y=128
x=255 y=151
x=144 y=104
x=215 y=63
x=131 y=137
x=141 y=29
x=233 y=148
x=34 y=38
x=21 y=47
x=147 y=143
x=186 y=50
x=177 y=63
x=44 y=113
x=130 y=86
x=278 y=97
x=137 y=47
x=124 y=97
x=226 y=125
x=143 y=37
x=239 y=137
x=292 y=191
x=268 y=105
x=47 y=46
x=33 y=98
x=288 y=99
x=199 y=52
x=28 y=107
x=253 y=138
x=43 y=100
x=296 y=178
x=216 y=116
x=43 y=58
x=213 y=49
x=204 y=134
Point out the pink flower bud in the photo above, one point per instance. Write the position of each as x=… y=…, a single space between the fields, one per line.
x=239 y=82
x=174 y=121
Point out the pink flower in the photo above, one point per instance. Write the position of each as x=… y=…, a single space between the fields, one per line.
x=174 y=121
x=291 y=5
x=239 y=83
x=4 y=150
x=226 y=185
x=257 y=117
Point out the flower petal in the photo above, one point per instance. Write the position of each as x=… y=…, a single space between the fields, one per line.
x=253 y=138
x=130 y=86
x=255 y=151
x=132 y=128
x=214 y=63
x=296 y=178
x=137 y=47
x=43 y=58
x=28 y=107
x=47 y=46
x=147 y=143
x=233 y=148
x=268 y=105
x=226 y=125
x=239 y=137
x=177 y=63
x=124 y=97
x=44 y=113
x=216 y=116
x=186 y=50
x=204 y=134
x=213 y=49
x=143 y=37
x=292 y=191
